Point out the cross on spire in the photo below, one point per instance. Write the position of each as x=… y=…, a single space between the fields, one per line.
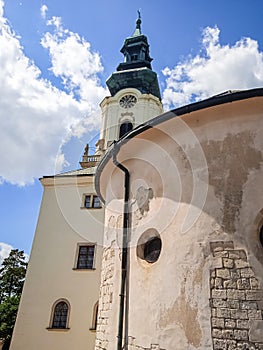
x=137 y=31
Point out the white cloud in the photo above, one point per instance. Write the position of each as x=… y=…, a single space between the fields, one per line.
x=36 y=117
x=43 y=11
x=218 y=68
x=5 y=249
x=73 y=61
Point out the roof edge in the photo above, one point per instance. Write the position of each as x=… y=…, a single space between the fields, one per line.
x=64 y=176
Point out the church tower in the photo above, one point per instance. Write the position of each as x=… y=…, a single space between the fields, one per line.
x=59 y=305
x=135 y=94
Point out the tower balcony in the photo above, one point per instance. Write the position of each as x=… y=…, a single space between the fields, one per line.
x=90 y=161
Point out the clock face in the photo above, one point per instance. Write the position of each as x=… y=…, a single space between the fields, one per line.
x=128 y=101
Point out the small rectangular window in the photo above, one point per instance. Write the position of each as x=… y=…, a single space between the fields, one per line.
x=92 y=201
x=86 y=257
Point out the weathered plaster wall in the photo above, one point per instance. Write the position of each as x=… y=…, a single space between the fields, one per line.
x=197 y=181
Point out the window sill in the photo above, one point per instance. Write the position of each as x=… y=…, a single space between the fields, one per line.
x=76 y=269
x=58 y=329
x=90 y=208
x=92 y=329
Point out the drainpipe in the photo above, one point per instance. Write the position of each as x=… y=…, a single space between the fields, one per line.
x=126 y=226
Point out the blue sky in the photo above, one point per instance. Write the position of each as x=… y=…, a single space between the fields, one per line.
x=55 y=57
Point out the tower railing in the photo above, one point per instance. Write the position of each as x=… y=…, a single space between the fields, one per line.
x=90 y=161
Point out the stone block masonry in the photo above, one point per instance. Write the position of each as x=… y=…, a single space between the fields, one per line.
x=106 y=292
x=236 y=301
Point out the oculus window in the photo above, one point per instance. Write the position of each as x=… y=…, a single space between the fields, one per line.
x=152 y=249
x=149 y=246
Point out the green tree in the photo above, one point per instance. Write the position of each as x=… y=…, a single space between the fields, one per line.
x=8 y=312
x=12 y=276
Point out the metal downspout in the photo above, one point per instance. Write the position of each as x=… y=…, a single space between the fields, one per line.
x=126 y=226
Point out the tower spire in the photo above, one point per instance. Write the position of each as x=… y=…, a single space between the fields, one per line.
x=138 y=31
x=136 y=69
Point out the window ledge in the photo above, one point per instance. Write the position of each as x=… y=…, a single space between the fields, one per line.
x=92 y=329
x=90 y=208
x=58 y=329
x=76 y=269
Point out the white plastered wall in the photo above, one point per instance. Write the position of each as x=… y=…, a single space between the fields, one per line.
x=147 y=107
x=62 y=225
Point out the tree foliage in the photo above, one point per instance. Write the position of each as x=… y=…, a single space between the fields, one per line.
x=8 y=312
x=12 y=276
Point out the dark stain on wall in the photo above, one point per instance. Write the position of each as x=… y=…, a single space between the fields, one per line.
x=229 y=162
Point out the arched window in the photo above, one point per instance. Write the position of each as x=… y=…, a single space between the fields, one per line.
x=60 y=315
x=95 y=316
x=125 y=128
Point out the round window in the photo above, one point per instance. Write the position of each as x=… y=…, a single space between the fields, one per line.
x=152 y=249
x=149 y=246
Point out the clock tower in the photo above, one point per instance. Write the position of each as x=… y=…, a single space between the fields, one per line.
x=134 y=88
